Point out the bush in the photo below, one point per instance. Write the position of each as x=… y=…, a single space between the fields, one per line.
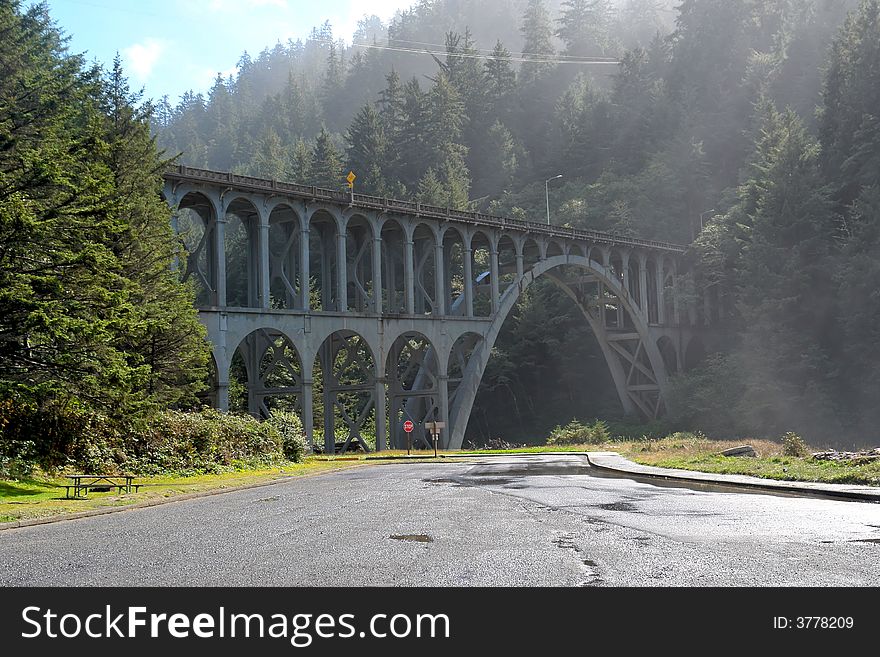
x=205 y=441
x=52 y=436
x=293 y=437
x=576 y=433
x=793 y=445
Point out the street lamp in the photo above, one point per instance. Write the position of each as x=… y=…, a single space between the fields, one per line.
x=547 y=194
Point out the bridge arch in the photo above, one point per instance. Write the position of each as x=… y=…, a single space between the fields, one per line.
x=415 y=372
x=266 y=371
x=351 y=405
x=634 y=359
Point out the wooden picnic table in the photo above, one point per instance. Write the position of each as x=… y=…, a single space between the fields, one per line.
x=81 y=484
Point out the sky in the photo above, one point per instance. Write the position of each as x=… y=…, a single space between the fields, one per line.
x=170 y=46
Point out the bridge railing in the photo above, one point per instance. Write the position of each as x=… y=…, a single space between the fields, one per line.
x=384 y=204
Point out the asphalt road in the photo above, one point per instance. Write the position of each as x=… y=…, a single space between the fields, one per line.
x=518 y=521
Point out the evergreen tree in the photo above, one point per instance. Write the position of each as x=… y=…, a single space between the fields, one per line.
x=300 y=166
x=91 y=311
x=431 y=191
x=583 y=26
x=537 y=34
x=270 y=158
x=500 y=78
x=850 y=120
x=221 y=126
x=409 y=142
x=163 y=341
x=331 y=91
x=327 y=165
x=784 y=292
x=367 y=148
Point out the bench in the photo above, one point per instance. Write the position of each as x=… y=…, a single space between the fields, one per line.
x=81 y=484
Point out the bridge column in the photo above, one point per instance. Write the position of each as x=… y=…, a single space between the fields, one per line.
x=329 y=385
x=263 y=260
x=381 y=417
x=624 y=285
x=439 y=278
x=606 y=262
x=305 y=284
x=341 y=273
x=643 y=284
x=307 y=408
x=520 y=267
x=676 y=306
x=220 y=260
x=409 y=286
x=377 y=275
x=493 y=275
x=443 y=385
x=661 y=309
x=468 y=282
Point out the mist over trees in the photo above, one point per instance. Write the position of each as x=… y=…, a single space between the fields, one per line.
x=747 y=128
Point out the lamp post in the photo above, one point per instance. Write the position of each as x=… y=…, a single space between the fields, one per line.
x=547 y=194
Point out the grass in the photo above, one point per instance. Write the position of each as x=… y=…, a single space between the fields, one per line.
x=42 y=497
x=702 y=454
x=690 y=452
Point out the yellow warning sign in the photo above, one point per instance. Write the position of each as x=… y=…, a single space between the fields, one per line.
x=350 y=178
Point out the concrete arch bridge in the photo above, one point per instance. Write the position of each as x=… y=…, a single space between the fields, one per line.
x=394 y=306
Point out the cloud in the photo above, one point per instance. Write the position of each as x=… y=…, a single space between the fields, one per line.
x=141 y=58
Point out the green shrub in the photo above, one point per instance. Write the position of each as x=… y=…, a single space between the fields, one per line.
x=793 y=445
x=576 y=433
x=599 y=432
x=293 y=437
x=52 y=436
x=204 y=441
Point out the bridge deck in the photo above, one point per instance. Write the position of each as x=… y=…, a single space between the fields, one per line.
x=366 y=202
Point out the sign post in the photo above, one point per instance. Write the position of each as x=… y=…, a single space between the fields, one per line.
x=434 y=428
x=408 y=427
x=350 y=178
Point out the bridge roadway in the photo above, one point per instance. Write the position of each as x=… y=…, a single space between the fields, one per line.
x=398 y=304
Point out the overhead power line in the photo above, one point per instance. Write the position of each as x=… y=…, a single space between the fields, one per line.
x=519 y=57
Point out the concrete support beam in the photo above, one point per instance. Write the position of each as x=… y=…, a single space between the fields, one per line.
x=661 y=306
x=220 y=261
x=493 y=276
x=443 y=385
x=439 y=278
x=307 y=409
x=409 y=285
x=263 y=261
x=304 y=274
x=468 y=282
x=377 y=275
x=341 y=273
x=520 y=266
x=643 y=285
x=381 y=416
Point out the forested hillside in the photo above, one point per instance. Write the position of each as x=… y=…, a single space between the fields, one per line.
x=746 y=127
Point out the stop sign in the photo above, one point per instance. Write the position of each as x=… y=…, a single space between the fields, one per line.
x=408 y=426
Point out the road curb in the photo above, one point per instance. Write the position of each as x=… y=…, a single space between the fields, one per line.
x=614 y=462
x=62 y=517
